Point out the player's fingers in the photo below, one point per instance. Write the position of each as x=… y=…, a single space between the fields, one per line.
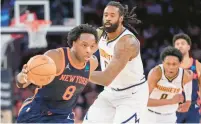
x=25 y=77
x=24 y=66
x=181 y=108
x=181 y=97
x=24 y=71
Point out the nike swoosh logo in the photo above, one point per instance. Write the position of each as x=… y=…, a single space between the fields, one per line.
x=134 y=92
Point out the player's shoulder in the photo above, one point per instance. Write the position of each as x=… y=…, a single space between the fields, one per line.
x=93 y=58
x=100 y=32
x=155 y=73
x=128 y=42
x=198 y=68
x=157 y=70
x=198 y=64
x=129 y=39
x=100 y=29
x=54 y=51
x=187 y=76
x=93 y=62
x=55 y=54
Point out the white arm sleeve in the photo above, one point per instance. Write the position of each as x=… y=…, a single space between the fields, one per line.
x=188 y=90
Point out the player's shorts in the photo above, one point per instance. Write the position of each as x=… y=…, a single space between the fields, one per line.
x=152 y=117
x=114 y=106
x=32 y=112
x=192 y=116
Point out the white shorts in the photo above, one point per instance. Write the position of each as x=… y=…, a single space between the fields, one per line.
x=119 y=106
x=149 y=117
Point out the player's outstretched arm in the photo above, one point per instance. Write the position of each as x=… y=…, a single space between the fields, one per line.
x=126 y=49
x=153 y=78
x=187 y=87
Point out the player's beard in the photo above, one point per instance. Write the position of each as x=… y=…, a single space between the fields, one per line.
x=112 y=28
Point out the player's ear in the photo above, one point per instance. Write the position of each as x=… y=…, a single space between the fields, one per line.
x=189 y=47
x=73 y=43
x=121 y=18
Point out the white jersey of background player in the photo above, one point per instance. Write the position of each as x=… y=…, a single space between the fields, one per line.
x=126 y=92
x=166 y=82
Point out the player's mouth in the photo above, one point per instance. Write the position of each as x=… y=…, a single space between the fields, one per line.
x=87 y=58
x=108 y=25
x=171 y=72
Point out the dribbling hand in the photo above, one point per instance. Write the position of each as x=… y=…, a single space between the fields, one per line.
x=22 y=78
x=178 y=98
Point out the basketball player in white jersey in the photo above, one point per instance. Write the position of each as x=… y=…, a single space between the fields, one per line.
x=166 y=82
x=126 y=93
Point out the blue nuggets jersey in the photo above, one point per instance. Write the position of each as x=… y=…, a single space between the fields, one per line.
x=62 y=93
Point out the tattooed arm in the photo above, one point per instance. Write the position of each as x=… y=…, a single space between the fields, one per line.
x=125 y=49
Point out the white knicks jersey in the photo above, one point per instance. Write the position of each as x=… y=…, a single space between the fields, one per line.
x=166 y=89
x=133 y=72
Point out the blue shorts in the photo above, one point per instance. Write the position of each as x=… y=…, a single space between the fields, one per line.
x=192 y=116
x=37 y=113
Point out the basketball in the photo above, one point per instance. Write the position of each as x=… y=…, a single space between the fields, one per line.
x=41 y=70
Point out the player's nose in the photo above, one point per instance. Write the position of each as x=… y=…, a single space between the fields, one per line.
x=88 y=49
x=108 y=19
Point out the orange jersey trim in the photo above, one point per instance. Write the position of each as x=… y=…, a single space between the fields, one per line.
x=26 y=103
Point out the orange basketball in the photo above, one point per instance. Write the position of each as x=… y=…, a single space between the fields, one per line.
x=41 y=70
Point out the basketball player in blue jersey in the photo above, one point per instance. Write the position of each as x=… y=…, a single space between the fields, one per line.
x=125 y=93
x=183 y=43
x=54 y=102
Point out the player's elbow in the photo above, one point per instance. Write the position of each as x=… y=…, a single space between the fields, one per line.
x=21 y=85
x=102 y=83
x=107 y=83
x=107 y=80
x=149 y=103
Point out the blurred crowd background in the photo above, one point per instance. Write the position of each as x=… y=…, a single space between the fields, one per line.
x=161 y=19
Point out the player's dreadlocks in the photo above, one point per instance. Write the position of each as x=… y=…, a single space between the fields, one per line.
x=130 y=18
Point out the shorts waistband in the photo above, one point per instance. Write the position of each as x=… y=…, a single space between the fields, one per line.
x=117 y=89
x=158 y=113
